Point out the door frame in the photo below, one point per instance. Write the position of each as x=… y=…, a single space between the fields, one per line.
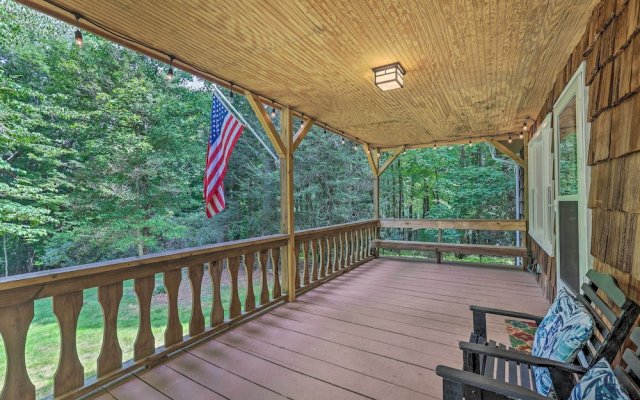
x=575 y=88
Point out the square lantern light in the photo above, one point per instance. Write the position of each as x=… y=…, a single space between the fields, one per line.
x=389 y=77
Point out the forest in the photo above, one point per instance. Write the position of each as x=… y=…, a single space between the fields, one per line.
x=102 y=157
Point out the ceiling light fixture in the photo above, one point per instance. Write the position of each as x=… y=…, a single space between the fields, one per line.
x=389 y=77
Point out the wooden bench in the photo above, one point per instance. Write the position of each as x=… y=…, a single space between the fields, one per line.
x=439 y=248
x=485 y=357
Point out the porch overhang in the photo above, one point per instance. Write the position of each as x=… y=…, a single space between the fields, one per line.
x=472 y=72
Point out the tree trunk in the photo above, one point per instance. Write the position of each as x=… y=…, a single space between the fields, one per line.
x=6 y=258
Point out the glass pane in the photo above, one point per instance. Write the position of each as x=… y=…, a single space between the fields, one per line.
x=568 y=175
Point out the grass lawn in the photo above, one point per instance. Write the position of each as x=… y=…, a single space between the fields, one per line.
x=43 y=340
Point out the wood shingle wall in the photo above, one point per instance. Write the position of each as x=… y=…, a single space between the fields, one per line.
x=611 y=48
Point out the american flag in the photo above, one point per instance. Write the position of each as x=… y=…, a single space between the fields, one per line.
x=225 y=132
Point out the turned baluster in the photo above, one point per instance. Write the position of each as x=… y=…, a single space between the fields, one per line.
x=196 y=322
x=315 y=252
x=110 y=357
x=235 y=306
x=217 y=309
x=308 y=261
x=145 y=341
x=70 y=372
x=334 y=255
x=173 y=332
x=264 y=290
x=321 y=257
x=275 y=265
x=299 y=267
x=250 y=299
x=14 y=325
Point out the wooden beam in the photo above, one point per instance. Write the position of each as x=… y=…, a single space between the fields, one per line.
x=307 y=124
x=266 y=123
x=466 y=224
x=396 y=152
x=451 y=142
x=286 y=204
x=368 y=152
x=507 y=152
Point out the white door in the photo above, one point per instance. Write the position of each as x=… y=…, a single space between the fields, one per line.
x=571 y=173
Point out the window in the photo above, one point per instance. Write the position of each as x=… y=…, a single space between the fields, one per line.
x=541 y=188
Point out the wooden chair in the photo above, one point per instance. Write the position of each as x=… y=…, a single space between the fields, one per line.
x=458 y=385
x=611 y=327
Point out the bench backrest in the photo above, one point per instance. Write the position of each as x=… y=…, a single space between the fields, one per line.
x=629 y=377
x=613 y=313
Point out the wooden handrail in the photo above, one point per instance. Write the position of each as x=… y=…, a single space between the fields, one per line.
x=323 y=253
x=469 y=224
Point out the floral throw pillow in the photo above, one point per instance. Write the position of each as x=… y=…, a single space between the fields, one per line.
x=561 y=334
x=599 y=383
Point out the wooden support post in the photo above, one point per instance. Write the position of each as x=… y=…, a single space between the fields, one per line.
x=374 y=162
x=525 y=212
x=286 y=204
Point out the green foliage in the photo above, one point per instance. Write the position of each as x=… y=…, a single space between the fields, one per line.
x=459 y=182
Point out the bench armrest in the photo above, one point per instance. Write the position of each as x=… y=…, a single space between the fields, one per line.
x=487 y=384
x=523 y=358
x=480 y=318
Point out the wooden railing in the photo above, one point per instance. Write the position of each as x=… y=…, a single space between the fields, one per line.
x=326 y=252
x=456 y=224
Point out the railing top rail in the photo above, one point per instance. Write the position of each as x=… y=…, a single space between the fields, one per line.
x=135 y=265
x=327 y=230
x=471 y=224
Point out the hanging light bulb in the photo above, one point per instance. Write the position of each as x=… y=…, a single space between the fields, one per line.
x=231 y=91
x=525 y=127
x=355 y=146
x=510 y=140
x=273 y=112
x=78 y=35
x=435 y=145
x=343 y=141
x=521 y=136
x=470 y=144
x=170 y=72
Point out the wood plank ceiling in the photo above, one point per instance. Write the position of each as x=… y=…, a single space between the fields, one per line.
x=474 y=68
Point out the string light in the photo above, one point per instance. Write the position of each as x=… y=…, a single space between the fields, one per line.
x=78 y=35
x=470 y=144
x=510 y=140
x=525 y=127
x=231 y=91
x=343 y=141
x=170 y=72
x=355 y=146
x=273 y=112
x=521 y=136
x=435 y=145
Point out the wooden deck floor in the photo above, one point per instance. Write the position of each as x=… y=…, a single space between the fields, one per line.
x=376 y=332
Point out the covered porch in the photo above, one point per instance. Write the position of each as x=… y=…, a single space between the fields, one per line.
x=326 y=312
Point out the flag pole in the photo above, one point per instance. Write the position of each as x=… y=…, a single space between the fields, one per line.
x=226 y=101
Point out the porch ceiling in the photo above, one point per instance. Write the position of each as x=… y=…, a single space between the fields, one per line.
x=473 y=68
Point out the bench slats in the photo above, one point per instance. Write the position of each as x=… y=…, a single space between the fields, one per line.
x=508 y=251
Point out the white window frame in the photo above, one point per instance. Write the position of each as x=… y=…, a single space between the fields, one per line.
x=541 y=187
x=576 y=88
